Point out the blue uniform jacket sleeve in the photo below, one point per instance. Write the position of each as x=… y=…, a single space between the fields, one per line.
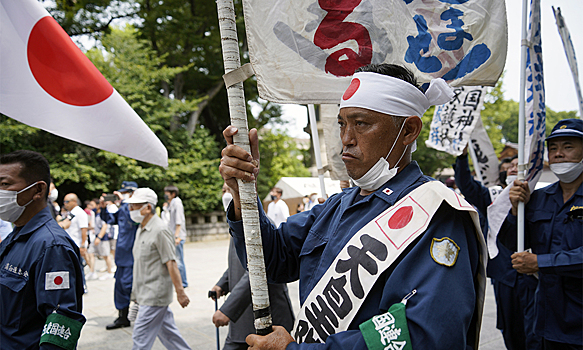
x=109 y=217
x=567 y=263
x=66 y=301
x=473 y=190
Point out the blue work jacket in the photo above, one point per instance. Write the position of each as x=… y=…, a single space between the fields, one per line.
x=126 y=234
x=499 y=268
x=555 y=235
x=439 y=316
x=26 y=256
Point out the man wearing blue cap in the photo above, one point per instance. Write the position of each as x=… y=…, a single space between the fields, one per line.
x=554 y=231
x=124 y=260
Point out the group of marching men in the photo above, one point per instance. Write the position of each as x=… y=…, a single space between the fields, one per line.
x=396 y=262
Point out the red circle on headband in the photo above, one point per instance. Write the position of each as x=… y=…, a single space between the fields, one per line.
x=354 y=85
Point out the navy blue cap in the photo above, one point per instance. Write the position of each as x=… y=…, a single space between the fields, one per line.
x=127 y=186
x=567 y=128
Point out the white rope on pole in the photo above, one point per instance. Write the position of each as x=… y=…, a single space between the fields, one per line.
x=316 y=143
x=247 y=190
x=521 y=123
x=475 y=161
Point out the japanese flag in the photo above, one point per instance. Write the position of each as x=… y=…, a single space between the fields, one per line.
x=48 y=83
x=57 y=280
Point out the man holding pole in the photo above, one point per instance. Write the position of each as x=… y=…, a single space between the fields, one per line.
x=514 y=292
x=553 y=230
x=396 y=261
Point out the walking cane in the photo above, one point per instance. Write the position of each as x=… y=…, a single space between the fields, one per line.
x=213 y=295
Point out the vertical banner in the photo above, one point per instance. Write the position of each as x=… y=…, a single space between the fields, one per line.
x=570 y=52
x=535 y=126
x=304 y=51
x=454 y=121
x=487 y=162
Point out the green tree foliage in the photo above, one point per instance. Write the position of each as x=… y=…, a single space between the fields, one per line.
x=279 y=157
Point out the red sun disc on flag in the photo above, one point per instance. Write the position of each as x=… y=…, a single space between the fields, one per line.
x=354 y=85
x=61 y=69
x=401 y=218
x=58 y=280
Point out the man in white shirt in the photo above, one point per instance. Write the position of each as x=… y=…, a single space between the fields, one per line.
x=76 y=224
x=277 y=210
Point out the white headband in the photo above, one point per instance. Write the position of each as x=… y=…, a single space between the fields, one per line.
x=393 y=96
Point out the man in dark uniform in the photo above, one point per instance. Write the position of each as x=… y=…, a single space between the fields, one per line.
x=124 y=259
x=398 y=237
x=41 y=287
x=553 y=229
x=514 y=292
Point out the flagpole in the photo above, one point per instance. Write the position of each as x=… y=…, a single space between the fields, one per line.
x=475 y=161
x=247 y=190
x=521 y=124
x=316 y=143
x=570 y=52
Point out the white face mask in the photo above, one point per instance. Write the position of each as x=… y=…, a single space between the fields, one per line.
x=54 y=195
x=125 y=196
x=136 y=216
x=9 y=209
x=227 y=198
x=510 y=179
x=380 y=173
x=567 y=172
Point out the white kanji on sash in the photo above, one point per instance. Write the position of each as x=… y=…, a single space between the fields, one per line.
x=57 y=280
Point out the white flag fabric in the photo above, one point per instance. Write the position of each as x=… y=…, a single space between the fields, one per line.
x=304 y=51
x=48 y=83
x=454 y=121
x=570 y=52
x=485 y=154
x=535 y=126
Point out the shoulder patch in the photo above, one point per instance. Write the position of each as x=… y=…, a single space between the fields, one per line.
x=444 y=251
x=57 y=280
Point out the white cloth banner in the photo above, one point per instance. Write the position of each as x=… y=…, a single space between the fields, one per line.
x=570 y=52
x=485 y=154
x=454 y=121
x=48 y=83
x=534 y=144
x=304 y=51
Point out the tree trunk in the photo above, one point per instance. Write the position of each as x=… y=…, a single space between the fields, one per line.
x=195 y=115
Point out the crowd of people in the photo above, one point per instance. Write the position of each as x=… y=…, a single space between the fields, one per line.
x=397 y=261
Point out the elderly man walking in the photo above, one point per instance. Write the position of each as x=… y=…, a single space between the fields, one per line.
x=396 y=262
x=155 y=271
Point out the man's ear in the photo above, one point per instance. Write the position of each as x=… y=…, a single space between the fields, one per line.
x=42 y=193
x=412 y=129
